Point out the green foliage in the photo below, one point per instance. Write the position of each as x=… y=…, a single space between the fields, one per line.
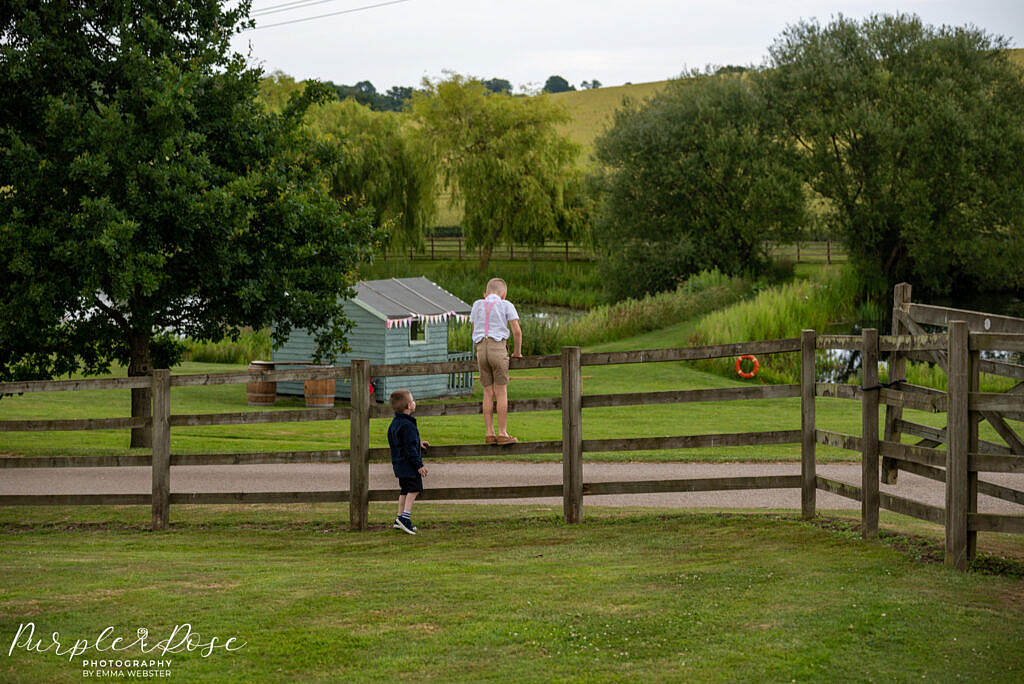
x=913 y=137
x=248 y=346
x=575 y=284
x=693 y=179
x=149 y=193
x=382 y=167
x=503 y=159
x=777 y=313
x=697 y=296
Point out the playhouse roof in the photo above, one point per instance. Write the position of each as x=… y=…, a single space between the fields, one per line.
x=406 y=298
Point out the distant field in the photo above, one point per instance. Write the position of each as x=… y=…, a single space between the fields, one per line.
x=592 y=110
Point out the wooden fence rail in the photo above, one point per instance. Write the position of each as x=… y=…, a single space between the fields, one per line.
x=958 y=464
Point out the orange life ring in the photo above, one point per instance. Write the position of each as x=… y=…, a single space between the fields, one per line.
x=753 y=371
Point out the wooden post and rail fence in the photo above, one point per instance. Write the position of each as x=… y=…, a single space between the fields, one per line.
x=455 y=249
x=958 y=466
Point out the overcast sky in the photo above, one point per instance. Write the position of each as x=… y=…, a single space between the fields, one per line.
x=526 y=41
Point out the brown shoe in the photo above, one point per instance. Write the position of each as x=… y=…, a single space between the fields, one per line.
x=490 y=439
x=502 y=439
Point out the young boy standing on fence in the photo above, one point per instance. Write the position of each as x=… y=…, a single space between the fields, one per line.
x=494 y=319
x=406 y=456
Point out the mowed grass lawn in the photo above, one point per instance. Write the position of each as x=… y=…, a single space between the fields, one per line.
x=504 y=593
x=632 y=421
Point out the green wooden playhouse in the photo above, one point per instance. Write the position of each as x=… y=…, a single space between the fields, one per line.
x=398 y=320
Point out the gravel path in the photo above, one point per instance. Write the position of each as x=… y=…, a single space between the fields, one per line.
x=301 y=477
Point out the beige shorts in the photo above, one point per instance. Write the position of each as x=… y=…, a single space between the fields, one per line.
x=492 y=359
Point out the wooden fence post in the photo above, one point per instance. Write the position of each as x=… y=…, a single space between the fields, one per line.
x=974 y=385
x=572 y=435
x=359 y=446
x=431 y=247
x=869 y=433
x=897 y=369
x=808 y=487
x=460 y=248
x=161 y=463
x=958 y=437
x=828 y=252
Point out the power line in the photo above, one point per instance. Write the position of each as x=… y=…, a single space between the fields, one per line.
x=285 y=6
x=329 y=14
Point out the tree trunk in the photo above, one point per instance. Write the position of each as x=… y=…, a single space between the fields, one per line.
x=142 y=400
x=485 y=256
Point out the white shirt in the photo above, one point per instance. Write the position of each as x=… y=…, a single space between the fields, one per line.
x=490 y=317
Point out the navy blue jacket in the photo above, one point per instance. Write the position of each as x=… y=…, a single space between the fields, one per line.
x=404 y=440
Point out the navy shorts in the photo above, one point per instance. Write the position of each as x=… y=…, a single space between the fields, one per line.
x=411 y=484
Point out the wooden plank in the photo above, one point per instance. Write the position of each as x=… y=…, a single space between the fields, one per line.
x=359 y=445
x=904 y=396
x=458 y=493
x=833 y=390
x=977 y=321
x=572 y=436
x=901 y=395
x=1007 y=370
x=957 y=432
x=996 y=401
x=869 y=435
x=904 y=342
x=195 y=380
x=915 y=454
x=839 y=488
x=258 y=417
x=936 y=436
x=849 y=342
x=997 y=341
x=710 y=484
x=692 y=441
x=692 y=353
x=73 y=424
x=258 y=458
x=447 y=367
x=87 y=384
x=75 y=499
x=897 y=369
x=838 y=440
x=161 y=456
x=808 y=443
x=105 y=461
x=464 y=408
x=333 y=496
x=987 y=488
x=994 y=463
x=914 y=509
x=688 y=396
x=990 y=522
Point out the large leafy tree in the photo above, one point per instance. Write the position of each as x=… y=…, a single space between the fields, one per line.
x=145 y=193
x=693 y=179
x=913 y=137
x=504 y=160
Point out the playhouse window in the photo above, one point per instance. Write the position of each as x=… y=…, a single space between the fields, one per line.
x=417 y=332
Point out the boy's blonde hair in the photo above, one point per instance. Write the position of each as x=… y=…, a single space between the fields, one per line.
x=400 y=400
x=496 y=286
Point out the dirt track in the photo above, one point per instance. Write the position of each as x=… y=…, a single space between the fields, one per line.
x=301 y=477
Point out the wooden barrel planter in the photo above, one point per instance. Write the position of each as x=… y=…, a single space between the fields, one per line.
x=261 y=393
x=319 y=393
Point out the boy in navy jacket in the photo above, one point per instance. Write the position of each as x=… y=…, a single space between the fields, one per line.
x=406 y=456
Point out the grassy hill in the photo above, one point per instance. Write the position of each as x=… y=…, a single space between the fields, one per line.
x=592 y=110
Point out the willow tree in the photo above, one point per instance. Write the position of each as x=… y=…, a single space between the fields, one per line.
x=383 y=166
x=503 y=159
x=146 y=193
